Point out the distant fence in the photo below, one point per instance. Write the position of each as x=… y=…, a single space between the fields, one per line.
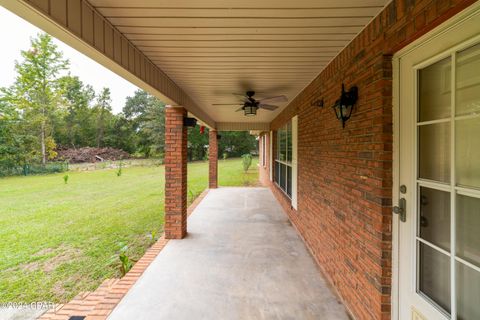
x=32 y=169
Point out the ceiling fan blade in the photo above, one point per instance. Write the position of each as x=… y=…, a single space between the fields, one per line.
x=281 y=98
x=226 y=104
x=239 y=109
x=267 y=106
x=241 y=96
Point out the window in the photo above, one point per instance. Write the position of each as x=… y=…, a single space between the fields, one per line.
x=283 y=159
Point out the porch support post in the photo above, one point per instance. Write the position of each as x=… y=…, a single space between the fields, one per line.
x=213 y=159
x=175 y=173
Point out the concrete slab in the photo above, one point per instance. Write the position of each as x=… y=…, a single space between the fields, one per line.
x=242 y=259
x=23 y=313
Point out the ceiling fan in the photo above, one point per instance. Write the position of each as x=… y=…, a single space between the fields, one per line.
x=250 y=105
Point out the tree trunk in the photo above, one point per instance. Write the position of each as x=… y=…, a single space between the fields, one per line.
x=100 y=129
x=42 y=141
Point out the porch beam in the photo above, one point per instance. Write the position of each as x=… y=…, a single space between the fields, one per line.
x=175 y=173
x=213 y=159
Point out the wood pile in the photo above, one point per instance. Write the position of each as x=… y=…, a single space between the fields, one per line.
x=89 y=154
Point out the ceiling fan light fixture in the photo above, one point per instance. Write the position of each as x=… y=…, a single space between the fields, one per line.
x=250 y=110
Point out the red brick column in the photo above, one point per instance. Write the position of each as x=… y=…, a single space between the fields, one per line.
x=212 y=159
x=175 y=173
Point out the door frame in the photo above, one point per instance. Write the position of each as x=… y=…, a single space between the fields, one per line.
x=469 y=13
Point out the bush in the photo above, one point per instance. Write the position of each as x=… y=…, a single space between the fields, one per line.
x=119 y=171
x=246 y=161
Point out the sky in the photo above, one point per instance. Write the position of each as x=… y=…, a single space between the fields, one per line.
x=89 y=71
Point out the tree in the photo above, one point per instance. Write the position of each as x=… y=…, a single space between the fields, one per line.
x=104 y=109
x=236 y=143
x=78 y=120
x=147 y=115
x=36 y=93
x=197 y=144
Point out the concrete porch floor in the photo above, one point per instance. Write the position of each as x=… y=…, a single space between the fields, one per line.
x=242 y=259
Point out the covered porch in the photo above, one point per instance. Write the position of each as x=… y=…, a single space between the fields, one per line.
x=335 y=172
x=241 y=259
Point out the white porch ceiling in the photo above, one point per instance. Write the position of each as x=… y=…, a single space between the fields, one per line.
x=213 y=48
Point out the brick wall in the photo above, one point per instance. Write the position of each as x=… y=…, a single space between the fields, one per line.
x=212 y=159
x=345 y=175
x=175 y=173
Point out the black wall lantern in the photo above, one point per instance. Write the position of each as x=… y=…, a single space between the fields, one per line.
x=343 y=107
x=189 y=122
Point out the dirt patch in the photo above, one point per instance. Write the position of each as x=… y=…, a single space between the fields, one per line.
x=60 y=255
x=58 y=259
x=30 y=267
x=44 y=252
x=58 y=289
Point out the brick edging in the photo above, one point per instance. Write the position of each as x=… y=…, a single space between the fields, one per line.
x=98 y=305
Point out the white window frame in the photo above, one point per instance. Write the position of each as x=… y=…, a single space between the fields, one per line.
x=264 y=151
x=270 y=147
x=294 y=161
x=293 y=164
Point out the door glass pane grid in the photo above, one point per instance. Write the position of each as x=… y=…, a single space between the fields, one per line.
x=466 y=164
x=454 y=273
x=433 y=227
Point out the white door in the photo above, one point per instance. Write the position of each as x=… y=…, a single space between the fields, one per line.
x=439 y=175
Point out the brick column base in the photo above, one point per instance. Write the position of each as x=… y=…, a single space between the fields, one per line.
x=175 y=173
x=213 y=159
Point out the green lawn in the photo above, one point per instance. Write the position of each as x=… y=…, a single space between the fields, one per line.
x=58 y=239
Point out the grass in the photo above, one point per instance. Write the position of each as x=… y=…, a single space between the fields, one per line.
x=58 y=239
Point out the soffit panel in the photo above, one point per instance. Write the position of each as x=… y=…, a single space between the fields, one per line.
x=213 y=48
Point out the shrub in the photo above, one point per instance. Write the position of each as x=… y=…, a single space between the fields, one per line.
x=225 y=156
x=119 y=171
x=246 y=161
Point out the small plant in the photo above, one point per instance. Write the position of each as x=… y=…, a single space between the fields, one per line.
x=153 y=235
x=119 y=171
x=193 y=195
x=126 y=262
x=246 y=161
x=225 y=156
x=65 y=178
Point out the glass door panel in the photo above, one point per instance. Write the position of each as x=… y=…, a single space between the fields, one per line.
x=434 y=224
x=434 y=151
x=468 y=81
x=467 y=151
x=448 y=211
x=468 y=229
x=434 y=91
x=434 y=275
x=468 y=292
